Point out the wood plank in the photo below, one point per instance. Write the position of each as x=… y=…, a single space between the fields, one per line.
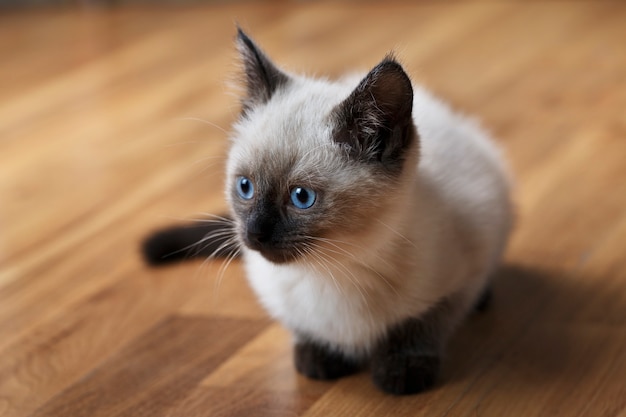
x=240 y=402
x=156 y=371
x=114 y=122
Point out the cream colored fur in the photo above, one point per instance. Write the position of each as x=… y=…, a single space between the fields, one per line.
x=438 y=234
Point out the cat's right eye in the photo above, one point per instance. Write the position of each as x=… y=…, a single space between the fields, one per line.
x=245 y=188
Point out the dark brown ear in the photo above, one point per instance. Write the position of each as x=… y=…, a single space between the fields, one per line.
x=262 y=77
x=375 y=122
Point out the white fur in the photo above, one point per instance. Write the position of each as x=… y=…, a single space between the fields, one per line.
x=440 y=235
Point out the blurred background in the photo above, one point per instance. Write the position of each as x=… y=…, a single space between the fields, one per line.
x=114 y=121
x=105 y=3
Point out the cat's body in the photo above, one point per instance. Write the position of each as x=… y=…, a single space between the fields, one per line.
x=444 y=236
x=409 y=214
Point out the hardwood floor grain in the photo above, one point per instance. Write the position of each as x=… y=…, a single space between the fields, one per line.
x=113 y=122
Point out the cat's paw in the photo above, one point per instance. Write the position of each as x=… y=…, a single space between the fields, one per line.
x=406 y=373
x=319 y=362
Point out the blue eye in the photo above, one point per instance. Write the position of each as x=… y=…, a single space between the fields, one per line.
x=303 y=198
x=245 y=189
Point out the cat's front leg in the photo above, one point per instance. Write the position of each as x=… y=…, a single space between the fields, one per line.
x=403 y=365
x=318 y=361
x=408 y=358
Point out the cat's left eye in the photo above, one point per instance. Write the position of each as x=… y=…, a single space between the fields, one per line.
x=245 y=188
x=302 y=197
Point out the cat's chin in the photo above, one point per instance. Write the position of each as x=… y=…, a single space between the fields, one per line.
x=278 y=256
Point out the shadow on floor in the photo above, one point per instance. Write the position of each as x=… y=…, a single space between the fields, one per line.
x=542 y=325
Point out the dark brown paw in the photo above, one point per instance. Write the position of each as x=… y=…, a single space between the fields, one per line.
x=404 y=373
x=319 y=362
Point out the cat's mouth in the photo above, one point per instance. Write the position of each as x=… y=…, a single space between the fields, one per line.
x=270 y=238
x=274 y=252
x=280 y=256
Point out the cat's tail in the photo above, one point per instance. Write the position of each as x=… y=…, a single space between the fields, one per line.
x=213 y=238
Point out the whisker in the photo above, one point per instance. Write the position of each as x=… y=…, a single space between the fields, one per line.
x=335 y=243
x=351 y=256
x=319 y=261
x=224 y=235
x=215 y=218
x=349 y=275
x=222 y=271
x=230 y=241
x=213 y=157
x=197 y=119
x=398 y=233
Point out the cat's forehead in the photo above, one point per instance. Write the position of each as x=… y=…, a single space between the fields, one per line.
x=295 y=123
x=281 y=154
x=301 y=110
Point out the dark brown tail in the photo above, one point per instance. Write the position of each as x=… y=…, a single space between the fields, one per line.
x=196 y=240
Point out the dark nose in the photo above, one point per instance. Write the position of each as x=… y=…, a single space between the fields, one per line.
x=259 y=231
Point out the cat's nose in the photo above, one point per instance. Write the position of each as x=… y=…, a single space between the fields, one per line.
x=259 y=232
x=258 y=236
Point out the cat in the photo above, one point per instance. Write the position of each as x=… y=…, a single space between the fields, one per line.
x=369 y=216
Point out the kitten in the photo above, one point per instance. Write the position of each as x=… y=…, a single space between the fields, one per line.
x=369 y=216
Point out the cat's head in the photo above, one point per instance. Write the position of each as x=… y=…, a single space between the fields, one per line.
x=315 y=166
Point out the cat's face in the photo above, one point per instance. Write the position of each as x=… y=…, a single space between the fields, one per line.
x=313 y=162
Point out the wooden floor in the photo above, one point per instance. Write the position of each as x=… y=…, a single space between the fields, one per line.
x=112 y=123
